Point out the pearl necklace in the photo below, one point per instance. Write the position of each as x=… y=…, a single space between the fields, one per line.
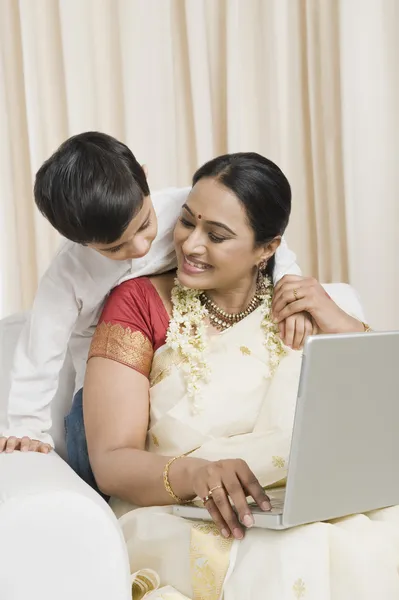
x=221 y=319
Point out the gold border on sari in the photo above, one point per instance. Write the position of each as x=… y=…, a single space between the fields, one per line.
x=209 y=561
x=121 y=344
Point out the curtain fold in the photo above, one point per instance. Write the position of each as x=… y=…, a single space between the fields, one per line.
x=312 y=84
x=369 y=44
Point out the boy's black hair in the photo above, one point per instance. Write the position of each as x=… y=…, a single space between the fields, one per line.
x=91 y=188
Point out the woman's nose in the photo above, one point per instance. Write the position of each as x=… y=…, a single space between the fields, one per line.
x=194 y=244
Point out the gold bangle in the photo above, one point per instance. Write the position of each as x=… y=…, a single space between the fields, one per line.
x=166 y=481
x=366 y=327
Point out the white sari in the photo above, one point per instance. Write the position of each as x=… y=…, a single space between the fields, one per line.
x=245 y=414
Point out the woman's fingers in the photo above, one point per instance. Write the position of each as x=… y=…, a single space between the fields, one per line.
x=300 y=331
x=292 y=308
x=235 y=490
x=222 y=503
x=285 y=289
x=293 y=288
x=217 y=518
x=287 y=294
x=204 y=491
x=304 y=327
x=289 y=331
x=211 y=482
x=286 y=280
x=281 y=328
x=315 y=329
x=310 y=329
x=226 y=483
x=295 y=329
x=3 y=441
x=307 y=330
x=252 y=486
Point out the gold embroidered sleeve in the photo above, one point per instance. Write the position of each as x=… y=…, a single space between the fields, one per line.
x=121 y=344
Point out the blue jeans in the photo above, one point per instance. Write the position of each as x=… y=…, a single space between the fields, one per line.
x=78 y=456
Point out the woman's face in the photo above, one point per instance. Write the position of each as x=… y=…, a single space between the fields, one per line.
x=214 y=242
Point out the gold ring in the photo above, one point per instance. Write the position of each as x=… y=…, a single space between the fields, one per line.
x=296 y=294
x=206 y=499
x=217 y=487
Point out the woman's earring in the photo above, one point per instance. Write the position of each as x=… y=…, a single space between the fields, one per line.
x=261 y=284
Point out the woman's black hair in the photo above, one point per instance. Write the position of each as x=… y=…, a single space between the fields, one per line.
x=91 y=188
x=261 y=187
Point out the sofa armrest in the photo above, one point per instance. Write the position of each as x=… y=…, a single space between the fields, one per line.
x=59 y=539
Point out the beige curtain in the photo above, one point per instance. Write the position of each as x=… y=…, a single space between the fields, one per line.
x=312 y=84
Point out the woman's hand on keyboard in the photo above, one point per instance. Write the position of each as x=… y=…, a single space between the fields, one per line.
x=24 y=444
x=228 y=482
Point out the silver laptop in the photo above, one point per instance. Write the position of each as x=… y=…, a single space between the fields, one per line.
x=344 y=456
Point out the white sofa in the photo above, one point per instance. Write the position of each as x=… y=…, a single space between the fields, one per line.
x=58 y=539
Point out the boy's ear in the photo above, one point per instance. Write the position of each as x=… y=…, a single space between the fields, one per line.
x=145 y=169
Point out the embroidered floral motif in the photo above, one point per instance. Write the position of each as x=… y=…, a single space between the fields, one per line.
x=155 y=440
x=299 y=588
x=123 y=345
x=245 y=351
x=278 y=462
x=209 y=561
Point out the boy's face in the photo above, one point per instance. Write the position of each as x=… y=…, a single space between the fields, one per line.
x=137 y=239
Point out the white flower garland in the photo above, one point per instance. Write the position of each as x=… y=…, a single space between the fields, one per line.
x=187 y=335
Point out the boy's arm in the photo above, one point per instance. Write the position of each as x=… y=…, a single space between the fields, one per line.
x=39 y=357
x=285 y=262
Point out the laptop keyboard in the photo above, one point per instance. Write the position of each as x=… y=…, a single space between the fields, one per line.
x=277 y=497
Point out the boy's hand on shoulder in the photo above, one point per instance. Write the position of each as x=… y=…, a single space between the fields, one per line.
x=24 y=444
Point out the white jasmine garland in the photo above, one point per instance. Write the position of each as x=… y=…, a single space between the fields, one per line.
x=273 y=342
x=187 y=335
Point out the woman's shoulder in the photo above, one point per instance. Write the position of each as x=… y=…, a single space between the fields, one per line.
x=153 y=289
x=137 y=305
x=131 y=297
x=138 y=291
x=133 y=286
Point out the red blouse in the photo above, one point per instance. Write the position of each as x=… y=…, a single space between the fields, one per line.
x=132 y=326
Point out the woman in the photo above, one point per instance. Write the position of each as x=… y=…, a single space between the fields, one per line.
x=185 y=377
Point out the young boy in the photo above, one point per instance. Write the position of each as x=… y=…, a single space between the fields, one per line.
x=95 y=194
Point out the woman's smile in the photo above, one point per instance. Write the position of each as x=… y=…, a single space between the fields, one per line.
x=192 y=266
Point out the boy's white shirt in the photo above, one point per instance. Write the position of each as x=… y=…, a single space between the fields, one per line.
x=66 y=309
